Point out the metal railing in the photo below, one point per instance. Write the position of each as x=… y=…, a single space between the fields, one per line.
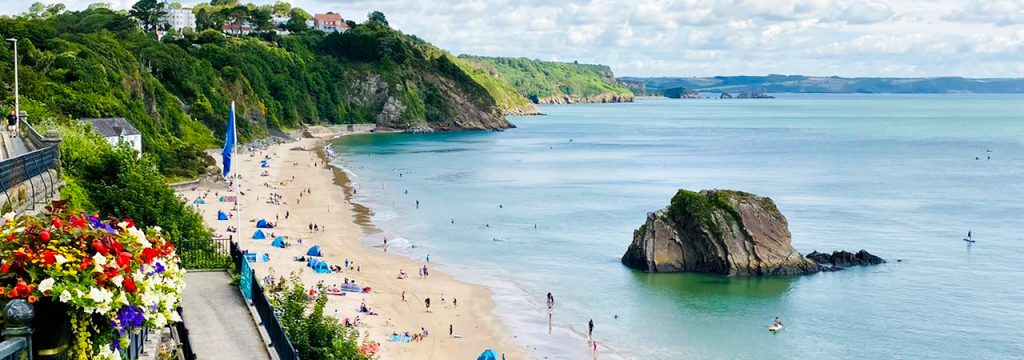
x=277 y=334
x=23 y=168
x=181 y=333
x=205 y=254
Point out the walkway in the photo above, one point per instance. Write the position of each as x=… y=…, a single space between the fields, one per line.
x=219 y=323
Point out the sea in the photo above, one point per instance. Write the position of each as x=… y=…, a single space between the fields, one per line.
x=551 y=206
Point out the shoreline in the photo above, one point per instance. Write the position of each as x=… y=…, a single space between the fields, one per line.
x=474 y=320
x=513 y=305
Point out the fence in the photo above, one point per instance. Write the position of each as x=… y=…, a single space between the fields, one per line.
x=20 y=169
x=205 y=254
x=181 y=333
x=17 y=344
x=278 y=337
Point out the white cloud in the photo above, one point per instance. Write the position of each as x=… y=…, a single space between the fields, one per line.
x=705 y=37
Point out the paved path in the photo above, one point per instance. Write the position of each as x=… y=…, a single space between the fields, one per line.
x=218 y=319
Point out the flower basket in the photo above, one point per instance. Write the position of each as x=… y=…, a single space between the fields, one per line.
x=93 y=281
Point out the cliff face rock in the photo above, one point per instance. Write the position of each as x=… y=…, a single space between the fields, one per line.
x=528 y=109
x=717 y=231
x=372 y=92
x=725 y=95
x=574 y=99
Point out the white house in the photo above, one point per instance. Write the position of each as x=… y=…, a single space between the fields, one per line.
x=116 y=131
x=180 y=19
x=329 y=22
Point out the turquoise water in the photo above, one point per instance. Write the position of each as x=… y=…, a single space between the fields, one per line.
x=893 y=174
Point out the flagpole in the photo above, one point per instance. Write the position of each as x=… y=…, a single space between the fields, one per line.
x=238 y=179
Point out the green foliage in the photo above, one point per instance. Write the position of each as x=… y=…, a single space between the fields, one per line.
x=537 y=79
x=378 y=17
x=149 y=12
x=313 y=334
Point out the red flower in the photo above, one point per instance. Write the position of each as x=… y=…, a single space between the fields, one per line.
x=129 y=285
x=86 y=262
x=130 y=222
x=116 y=246
x=78 y=221
x=148 y=254
x=45 y=235
x=57 y=223
x=49 y=257
x=5 y=267
x=123 y=259
x=21 y=288
x=100 y=248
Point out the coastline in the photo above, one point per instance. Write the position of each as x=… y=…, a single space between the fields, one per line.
x=474 y=318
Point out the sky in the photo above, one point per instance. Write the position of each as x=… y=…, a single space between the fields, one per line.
x=904 y=38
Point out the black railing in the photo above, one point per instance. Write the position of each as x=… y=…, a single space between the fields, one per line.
x=19 y=169
x=277 y=334
x=135 y=344
x=182 y=335
x=278 y=337
x=205 y=254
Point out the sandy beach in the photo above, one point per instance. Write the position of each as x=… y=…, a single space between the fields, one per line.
x=297 y=166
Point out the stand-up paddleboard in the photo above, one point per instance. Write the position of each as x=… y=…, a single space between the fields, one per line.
x=775 y=328
x=969 y=240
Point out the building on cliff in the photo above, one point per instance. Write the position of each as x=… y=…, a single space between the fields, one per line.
x=329 y=22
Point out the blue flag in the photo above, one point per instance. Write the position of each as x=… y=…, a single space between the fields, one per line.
x=229 y=141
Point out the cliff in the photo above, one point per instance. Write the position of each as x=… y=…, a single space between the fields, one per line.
x=177 y=90
x=717 y=231
x=548 y=82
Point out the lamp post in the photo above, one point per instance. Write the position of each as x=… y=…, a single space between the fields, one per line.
x=17 y=105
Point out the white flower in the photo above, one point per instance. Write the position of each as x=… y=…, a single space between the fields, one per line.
x=100 y=296
x=65 y=296
x=60 y=259
x=46 y=285
x=99 y=259
x=117 y=280
x=123 y=224
x=122 y=299
x=107 y=353
x=9 y=216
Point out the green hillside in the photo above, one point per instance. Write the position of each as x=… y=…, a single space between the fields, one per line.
x=99 y=63
x=824 y=84
x=555 y=82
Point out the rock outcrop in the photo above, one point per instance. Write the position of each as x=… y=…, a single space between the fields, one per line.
x=575 y=99
x=725 y=95
x=839 y=260
x=717 y=231
x=681 y=93
x=753 y=95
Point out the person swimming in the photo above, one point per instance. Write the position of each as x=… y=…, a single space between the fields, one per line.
x=778 y=322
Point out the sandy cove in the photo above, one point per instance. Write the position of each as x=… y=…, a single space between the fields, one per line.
x=331 y=206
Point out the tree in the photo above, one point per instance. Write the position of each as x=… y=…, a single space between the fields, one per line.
x=54 y=9
x=378 y=17
x=297 y=21
x=260 y=19
x=224 y=2
x=281 y=8
x=174 y=5
x=36 y=10
x=97 y=6
x=149 y=12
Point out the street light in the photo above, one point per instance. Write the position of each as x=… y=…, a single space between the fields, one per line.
x=17 y=105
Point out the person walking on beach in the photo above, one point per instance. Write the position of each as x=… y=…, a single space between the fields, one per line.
x=425 y=273
x=590 y=333
x=310 y=227
x=427 y=303
x=451 y=330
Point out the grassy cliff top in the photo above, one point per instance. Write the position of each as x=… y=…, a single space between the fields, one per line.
x=541 y=79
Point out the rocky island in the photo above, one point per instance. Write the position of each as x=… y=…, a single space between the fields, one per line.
x=724 y=232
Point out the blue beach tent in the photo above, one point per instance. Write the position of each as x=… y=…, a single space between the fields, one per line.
x=222 y=216
x=265 y=165
x=199 y=201
x=262 y=224
x=278 y=242
x=488 y=355
x=259 y=235
x=322 y=267
x=314 y=251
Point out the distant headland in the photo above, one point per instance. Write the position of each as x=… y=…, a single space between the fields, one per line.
x=665 y=86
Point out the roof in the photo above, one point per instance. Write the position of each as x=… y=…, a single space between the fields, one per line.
x=236 y=27
x=111 y=127
x=328 y=17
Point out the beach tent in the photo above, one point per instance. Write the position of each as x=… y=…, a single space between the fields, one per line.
x=265 y=165
x=312 y=263
x=322 y=267
x=488 y=355
x=314 y=251
x=221 y=215
x=200 y=201
x=278 y=242
x=262 y=224
x=259 y=235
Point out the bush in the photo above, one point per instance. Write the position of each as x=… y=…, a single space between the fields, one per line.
x=313 y=334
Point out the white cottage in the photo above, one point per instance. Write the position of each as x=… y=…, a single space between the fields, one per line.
x=116 y=131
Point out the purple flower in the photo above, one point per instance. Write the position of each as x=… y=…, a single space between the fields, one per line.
x=129 y=317
x=97 y=224
x=159 y=268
